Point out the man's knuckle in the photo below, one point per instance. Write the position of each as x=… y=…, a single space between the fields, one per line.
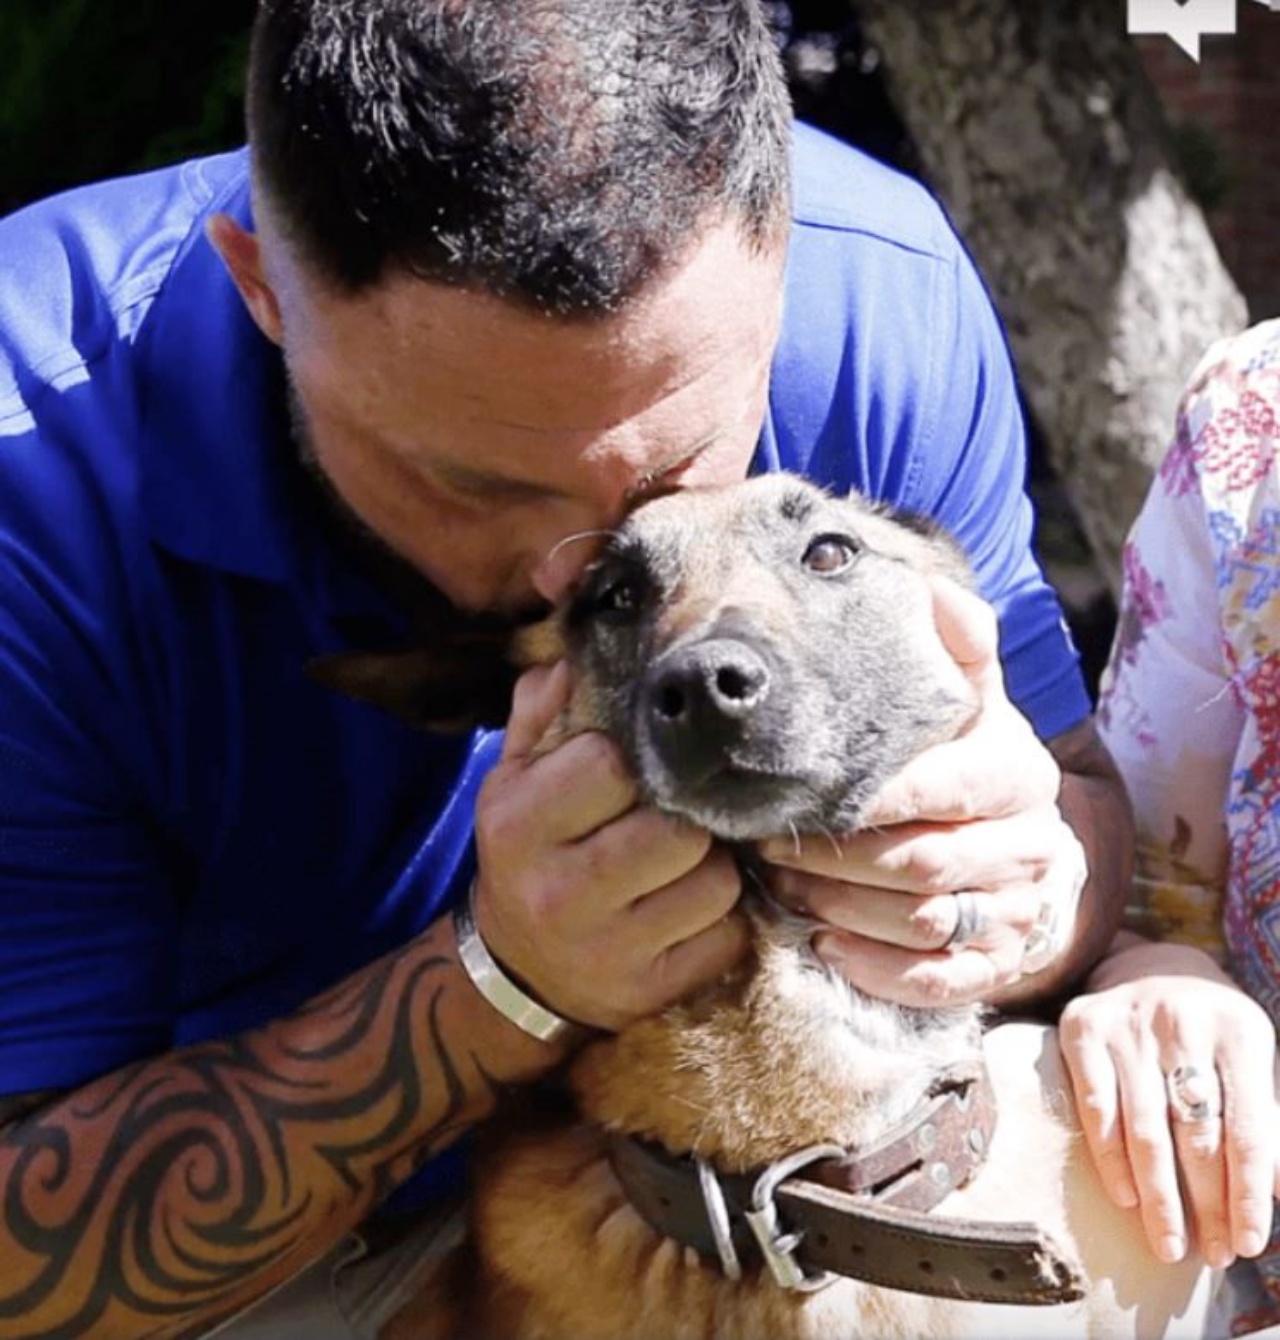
x=928 y=865
x=966 y=800
x=692 y=841
x=662 y=984
x=605 y=761
x=497 y=826
x=933 y=987
x=900 y=801
x=595 y=863
x=931 y=922
x=716 y=894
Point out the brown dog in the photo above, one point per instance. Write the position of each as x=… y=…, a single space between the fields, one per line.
x=767 y=657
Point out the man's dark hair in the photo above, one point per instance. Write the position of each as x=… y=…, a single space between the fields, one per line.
x=558 y=152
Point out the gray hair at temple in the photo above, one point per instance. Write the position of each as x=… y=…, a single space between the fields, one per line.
x=559 y=153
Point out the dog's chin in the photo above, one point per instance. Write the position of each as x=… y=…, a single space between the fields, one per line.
x=738 y=805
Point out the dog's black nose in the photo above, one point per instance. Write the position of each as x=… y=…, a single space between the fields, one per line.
x=700 y=697
x=718 y=678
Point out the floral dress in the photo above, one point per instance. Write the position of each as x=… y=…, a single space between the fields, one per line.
x=1190 y=703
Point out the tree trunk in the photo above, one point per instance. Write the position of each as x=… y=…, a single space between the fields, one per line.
x=1038 y=130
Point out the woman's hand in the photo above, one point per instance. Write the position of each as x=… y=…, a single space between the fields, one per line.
x=1207 y=1167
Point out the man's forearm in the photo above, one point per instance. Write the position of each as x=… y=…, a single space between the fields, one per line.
x=1095 y=805
x=177 y=1189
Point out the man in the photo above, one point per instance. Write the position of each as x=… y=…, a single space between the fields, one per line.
x=503 y=270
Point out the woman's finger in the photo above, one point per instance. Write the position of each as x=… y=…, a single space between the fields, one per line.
x=1097 y=1094
x=1252 y=1133
x=1195 y=1118
x=1149 y=1143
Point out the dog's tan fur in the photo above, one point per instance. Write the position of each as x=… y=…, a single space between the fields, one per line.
x=778 y=1056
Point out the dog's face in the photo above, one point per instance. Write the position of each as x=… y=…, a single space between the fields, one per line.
x=765 y=654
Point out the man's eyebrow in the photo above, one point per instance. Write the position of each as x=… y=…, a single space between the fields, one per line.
x=476 y=481
x=463 y=477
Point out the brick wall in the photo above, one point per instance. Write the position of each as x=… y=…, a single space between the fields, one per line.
x=1227 y=110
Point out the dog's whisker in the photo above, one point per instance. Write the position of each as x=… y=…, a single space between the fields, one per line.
x=832 y=839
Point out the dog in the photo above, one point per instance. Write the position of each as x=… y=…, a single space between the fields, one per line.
x=766 y=656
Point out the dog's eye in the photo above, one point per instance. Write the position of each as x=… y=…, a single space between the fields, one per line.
x=618 y=600
x=829 y=554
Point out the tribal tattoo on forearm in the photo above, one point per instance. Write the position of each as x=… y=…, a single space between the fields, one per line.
x=183 y=1186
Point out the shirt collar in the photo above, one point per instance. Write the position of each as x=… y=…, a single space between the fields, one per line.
x=215 y=469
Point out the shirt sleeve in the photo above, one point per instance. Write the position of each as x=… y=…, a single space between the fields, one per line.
x=971 y=448
x=86 y=907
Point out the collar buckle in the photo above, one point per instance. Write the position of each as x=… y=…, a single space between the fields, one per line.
x=779 y=1248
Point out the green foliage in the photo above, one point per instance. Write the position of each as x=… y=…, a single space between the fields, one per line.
x=92 y=89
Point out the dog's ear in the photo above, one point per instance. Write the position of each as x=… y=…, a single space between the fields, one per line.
x=448 y=685
x=436 y=690
x=541 y=643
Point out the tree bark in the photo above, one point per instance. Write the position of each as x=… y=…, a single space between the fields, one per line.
x=1038 y=130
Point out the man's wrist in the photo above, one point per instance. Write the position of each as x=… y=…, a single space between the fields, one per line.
x=502 y=992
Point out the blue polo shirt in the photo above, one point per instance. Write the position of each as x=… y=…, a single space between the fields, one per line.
x=194 y=838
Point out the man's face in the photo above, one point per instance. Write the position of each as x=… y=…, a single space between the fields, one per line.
x=489 y=445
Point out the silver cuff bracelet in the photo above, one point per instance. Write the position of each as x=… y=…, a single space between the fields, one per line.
x=499 y=990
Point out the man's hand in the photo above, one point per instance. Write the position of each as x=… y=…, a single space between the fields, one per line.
x=976 y=817
x=1151 y=1008
x=606 y=911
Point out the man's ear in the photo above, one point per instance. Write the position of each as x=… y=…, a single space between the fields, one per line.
x=242 y=255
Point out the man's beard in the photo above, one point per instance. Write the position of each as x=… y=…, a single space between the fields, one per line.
x=371 y=555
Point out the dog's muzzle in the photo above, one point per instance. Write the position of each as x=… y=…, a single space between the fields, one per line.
x=702 y=702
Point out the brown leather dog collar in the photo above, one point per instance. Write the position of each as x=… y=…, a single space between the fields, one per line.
x=862 y=1214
